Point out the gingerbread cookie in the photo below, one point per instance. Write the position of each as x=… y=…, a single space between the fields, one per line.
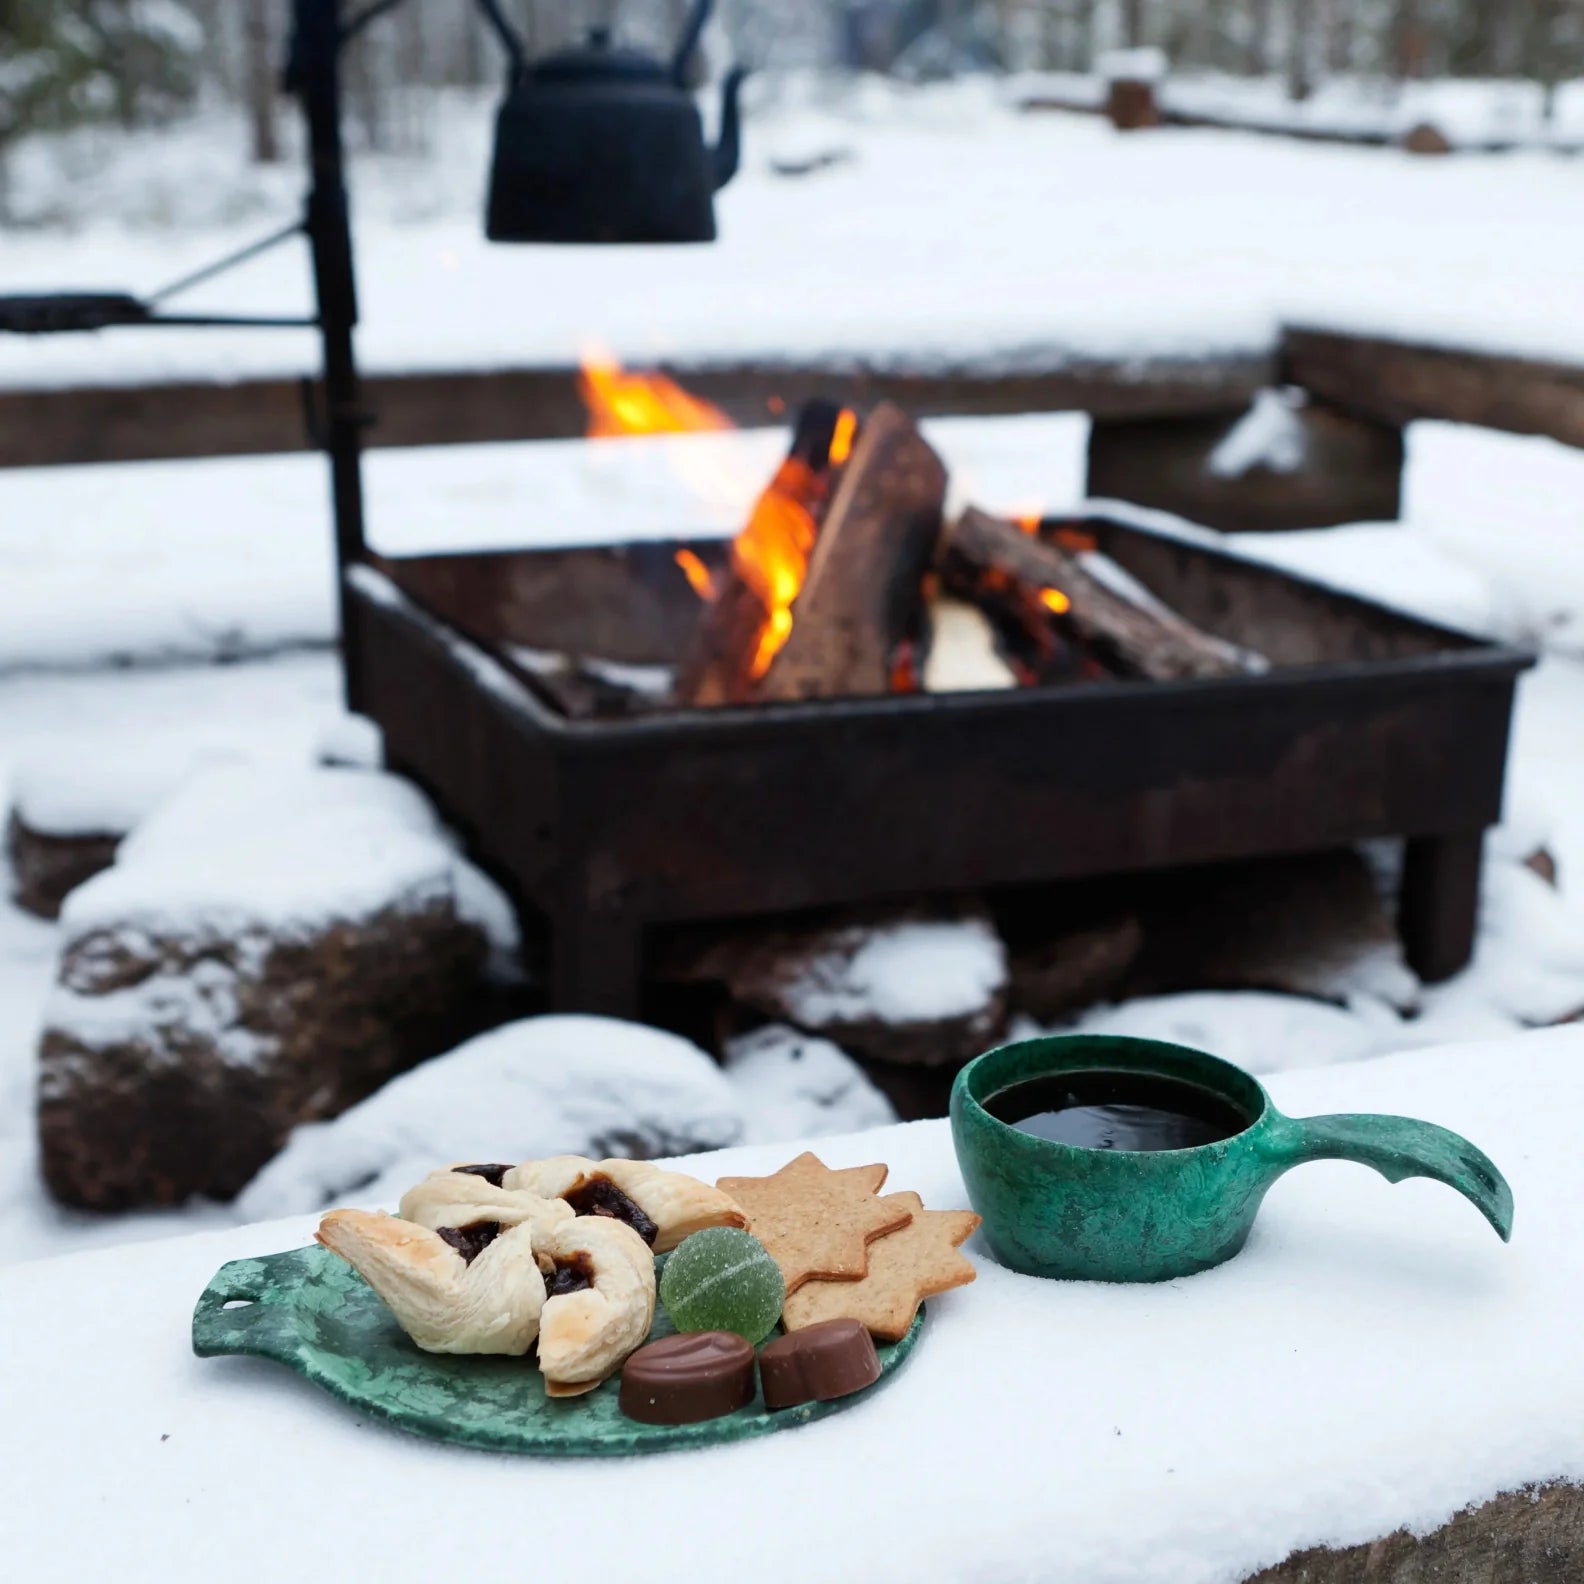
x=815 y=1222
x=905 y=1268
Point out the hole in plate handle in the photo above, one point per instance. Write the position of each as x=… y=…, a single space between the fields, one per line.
x=238 y=1303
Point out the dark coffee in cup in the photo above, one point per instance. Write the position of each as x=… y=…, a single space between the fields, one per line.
x=1117 y=1110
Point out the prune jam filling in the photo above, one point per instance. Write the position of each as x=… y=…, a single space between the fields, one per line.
x=470 y=1241
x=491 y=1174
x=569 y=1275
x=599 y=1196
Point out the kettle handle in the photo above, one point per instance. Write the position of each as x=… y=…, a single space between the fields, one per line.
x=511 y=40
x=689 y=41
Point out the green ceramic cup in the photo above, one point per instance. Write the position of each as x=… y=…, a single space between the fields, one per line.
x=1062 y=1211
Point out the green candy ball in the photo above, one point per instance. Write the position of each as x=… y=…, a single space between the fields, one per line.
x=721 y=1279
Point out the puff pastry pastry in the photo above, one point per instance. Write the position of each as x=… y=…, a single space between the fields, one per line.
x=673 y=1204
x=442 y=1300
x=450 y=1198
x=585 y=1334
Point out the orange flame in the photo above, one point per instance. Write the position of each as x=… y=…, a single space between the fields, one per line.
x=1029 y=522
x=842 y=436
x=623 y=403
x=1054 y=600
x=697 y=574
x=771 y=554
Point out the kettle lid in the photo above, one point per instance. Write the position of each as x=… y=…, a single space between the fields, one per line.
x=599 y=60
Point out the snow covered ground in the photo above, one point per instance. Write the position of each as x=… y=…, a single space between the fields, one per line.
x=112 y=562
x=1029 y=238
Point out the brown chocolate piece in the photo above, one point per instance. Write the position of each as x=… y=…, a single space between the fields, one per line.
x=683 y=1379
x=599 y=1196
x=832 y=1359
x=471 y=1240
x=491 y=1174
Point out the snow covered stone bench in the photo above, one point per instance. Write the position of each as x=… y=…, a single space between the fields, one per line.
x=1372 y=1366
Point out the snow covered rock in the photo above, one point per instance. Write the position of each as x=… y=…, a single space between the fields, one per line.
x=542 y=1086
x=268 y=948
x=68 y=815
x=909 y=989
x=798 y=1086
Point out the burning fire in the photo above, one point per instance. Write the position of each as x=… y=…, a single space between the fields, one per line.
x=620 y=403
x=1052 y=599
x=842 y=436
x=771 y=554
x=697 y=574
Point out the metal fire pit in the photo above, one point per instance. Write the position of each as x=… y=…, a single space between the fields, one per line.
x=1369 y=724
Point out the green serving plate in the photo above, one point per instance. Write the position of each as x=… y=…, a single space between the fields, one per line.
x=310 y=1310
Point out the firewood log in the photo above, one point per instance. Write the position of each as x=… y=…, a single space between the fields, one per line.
x=1134 y=635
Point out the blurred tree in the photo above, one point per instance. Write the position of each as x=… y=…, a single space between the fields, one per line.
x=263 y=50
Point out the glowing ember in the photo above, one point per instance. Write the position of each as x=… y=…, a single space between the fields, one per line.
x=1029 y=522
x=842 y=436
x=1055 y=600
x=697 y=574
x=622 y=403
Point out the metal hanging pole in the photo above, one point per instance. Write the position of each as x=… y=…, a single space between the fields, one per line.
x=314 y=75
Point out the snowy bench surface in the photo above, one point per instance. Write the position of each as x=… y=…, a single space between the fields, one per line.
x=1375 y=1358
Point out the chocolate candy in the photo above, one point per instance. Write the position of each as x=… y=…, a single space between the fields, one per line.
x=683 y=1379
x=821 y=1361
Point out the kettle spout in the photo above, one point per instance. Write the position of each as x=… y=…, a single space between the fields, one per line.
x=729 y=148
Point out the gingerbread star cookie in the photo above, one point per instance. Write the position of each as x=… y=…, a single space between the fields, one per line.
x=905 y=1268
x=818 y=1223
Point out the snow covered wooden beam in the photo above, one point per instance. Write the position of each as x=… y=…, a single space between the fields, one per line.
x=71 y=424
x=1395 y=382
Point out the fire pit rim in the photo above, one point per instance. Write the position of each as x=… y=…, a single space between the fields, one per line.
x=507 y=682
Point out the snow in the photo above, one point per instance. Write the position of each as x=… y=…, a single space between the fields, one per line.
x=1259 y=1031
x=1031 y=241
x=1269 y=435
x=1144 y=64
x=290 y=850
x=914 y=972
x=793 y=1085
x=567 y=1085
x=351 y=741
x=68 y=794
x=1400 y=1363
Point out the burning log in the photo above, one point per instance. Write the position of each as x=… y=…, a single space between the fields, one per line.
x=746 y=621
x=864 y=581
x=1125 y=629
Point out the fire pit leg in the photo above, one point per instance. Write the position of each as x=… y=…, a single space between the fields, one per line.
x=1439 y=903
x=596 y=964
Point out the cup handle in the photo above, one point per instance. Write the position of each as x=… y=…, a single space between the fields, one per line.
x=1399 y=1147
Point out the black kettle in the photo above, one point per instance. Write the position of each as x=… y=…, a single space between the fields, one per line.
x=602 y=144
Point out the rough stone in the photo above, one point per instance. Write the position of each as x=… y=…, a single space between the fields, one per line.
x=910 y=988
x=46 y=868
x=1051 y=977
x=1533 y=1536
x=266 y=950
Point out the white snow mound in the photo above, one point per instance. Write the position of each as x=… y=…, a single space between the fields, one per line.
x=288 y=848
x=542 y=1086
x=796 y=1086
x=915 y=972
